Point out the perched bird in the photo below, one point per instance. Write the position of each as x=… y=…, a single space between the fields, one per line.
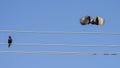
x=9 y=41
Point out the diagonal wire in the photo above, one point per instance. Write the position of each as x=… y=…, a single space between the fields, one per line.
x=48 y=32
x=79 y=45
x=56 y=52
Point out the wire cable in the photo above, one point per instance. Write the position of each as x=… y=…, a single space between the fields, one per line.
x=47 y=32
x=55 y=52
x=79 y=45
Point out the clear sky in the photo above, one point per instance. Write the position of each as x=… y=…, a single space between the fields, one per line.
x=63 y=16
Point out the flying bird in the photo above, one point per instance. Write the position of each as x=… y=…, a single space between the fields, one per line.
x=89 y=20
x=9 y=41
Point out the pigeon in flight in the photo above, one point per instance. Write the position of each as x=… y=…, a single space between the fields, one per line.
x=89 y=20
x=9 y=41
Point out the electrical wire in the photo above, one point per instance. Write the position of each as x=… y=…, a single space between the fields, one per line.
x=55 y=52
x=47 y=32
x=79 y=45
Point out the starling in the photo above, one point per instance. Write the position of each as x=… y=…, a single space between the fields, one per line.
x=9 y=41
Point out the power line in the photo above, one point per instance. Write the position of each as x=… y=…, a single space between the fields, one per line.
x=48 y=32
x=79 y=45
x=55 y=52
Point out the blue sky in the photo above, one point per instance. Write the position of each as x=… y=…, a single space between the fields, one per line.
x=58 y=15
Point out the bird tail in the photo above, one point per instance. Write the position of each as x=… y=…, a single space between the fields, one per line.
x=9 y=45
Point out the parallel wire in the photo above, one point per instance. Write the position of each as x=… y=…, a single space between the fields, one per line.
x=47 y=32
x=55 y=52
x=79 y=45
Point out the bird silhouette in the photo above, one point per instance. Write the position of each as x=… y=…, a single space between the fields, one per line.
x=9 y=41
